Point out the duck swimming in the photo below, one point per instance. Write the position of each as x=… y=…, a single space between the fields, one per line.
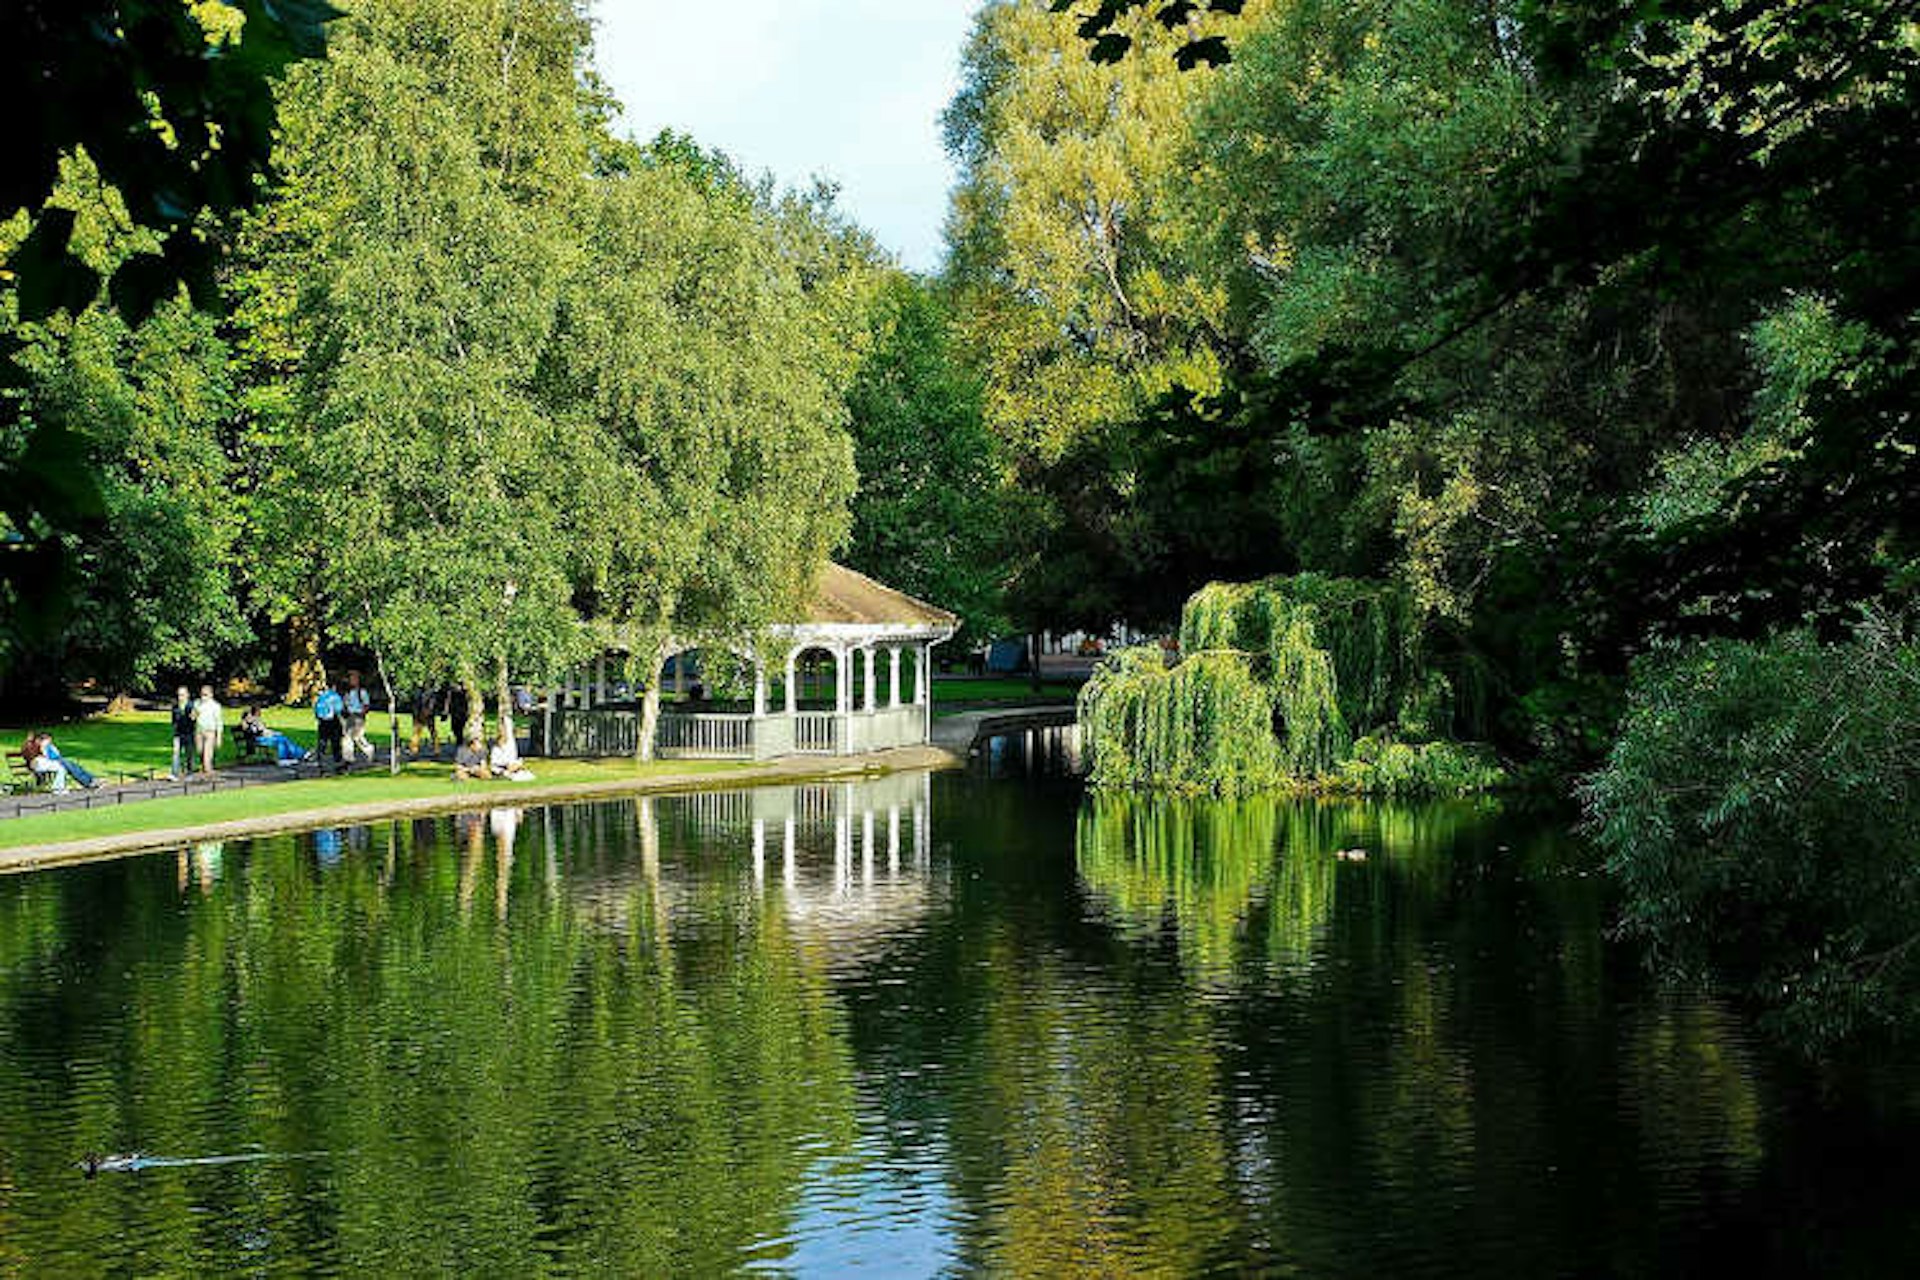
x=93 y=1163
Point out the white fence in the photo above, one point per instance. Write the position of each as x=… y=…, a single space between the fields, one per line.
x=710 y=737
x=679 y=736
x=816 y=733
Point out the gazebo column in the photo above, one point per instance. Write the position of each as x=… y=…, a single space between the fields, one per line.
x=893 y=682
x=759 y=691
x=842 y=681
x=866 y=703
x=793 y=689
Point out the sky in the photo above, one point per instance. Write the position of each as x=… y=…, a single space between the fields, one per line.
x=848 y=90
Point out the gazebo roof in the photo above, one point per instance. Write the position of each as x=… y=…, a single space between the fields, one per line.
x=844 y=597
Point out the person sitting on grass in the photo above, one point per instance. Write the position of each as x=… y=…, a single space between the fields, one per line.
x=46 y=762
x=470 y=761
x=505 y=758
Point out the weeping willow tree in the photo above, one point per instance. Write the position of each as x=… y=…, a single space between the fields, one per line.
x=1204 y=724
x=1285 y=681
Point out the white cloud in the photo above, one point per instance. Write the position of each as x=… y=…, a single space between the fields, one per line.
x=850 y=90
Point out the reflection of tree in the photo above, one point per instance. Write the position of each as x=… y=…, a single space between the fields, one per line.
x=1196 y=865
x=501 y=1095
x=1092 y=1127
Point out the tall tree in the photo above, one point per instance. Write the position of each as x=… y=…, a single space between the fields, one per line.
x=1069 y=253
x=928 y=516
x=694 y=349
x=172 y=104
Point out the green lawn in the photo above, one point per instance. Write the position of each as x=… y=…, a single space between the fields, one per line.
x=143 y=740
x=414 y=782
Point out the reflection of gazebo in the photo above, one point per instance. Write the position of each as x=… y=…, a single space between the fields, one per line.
x=874 y=636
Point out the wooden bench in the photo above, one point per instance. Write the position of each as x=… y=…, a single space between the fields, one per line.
x=22 y=778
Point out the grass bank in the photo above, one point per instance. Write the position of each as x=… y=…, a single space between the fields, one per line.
x=319 y=795
x=142 y=741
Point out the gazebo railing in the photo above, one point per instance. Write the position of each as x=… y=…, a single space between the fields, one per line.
x=719 y=736
x=816 y=733
x=705 y=737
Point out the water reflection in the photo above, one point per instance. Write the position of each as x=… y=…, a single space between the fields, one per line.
x=898 y=1026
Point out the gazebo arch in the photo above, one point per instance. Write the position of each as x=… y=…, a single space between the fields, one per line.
x=865 y=627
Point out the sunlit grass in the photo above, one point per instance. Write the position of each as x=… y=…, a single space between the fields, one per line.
x=320 y=795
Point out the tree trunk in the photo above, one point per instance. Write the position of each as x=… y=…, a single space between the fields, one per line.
x=1033 y=659
x=393 y=716
x=476 y=725
x=306 y=670
x=645 y=672
x=505 y=692
x=649 y=719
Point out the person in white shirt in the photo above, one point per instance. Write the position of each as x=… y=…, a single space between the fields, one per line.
x=353 y=717
x=504 y=760
x=209 y=723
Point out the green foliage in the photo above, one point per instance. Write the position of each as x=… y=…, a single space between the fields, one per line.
x=928 y=515
x=172 y=104
x=1298 y=663
x=1383 y=767
x=1073 y=290
x=501 y=410
x=1366 y=631
x=1759 y=810
x=1204 y=724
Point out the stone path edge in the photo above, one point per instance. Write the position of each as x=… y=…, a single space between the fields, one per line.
x=791 y=769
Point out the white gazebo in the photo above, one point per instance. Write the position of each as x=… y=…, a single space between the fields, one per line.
x=880 y=643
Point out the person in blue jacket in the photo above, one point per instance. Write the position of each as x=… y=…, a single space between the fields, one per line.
x=328 y=710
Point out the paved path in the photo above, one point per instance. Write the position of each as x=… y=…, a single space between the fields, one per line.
x=110 y=795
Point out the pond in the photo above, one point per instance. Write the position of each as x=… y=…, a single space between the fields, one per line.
x=915 y=1025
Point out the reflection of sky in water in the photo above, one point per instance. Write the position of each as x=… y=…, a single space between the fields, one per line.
x=868 y=1215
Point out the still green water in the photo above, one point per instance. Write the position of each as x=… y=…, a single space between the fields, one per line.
x=912 y=1026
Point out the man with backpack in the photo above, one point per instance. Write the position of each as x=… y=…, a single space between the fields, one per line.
x=328 y=710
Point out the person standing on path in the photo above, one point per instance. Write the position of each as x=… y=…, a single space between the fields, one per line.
x=209 y=722
x=354 y=706
x=327 y=709
x=426 y=718
x=182 y=733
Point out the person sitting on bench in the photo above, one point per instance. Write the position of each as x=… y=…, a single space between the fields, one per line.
x=284 y=750
x=46 y=762
x=252 y=732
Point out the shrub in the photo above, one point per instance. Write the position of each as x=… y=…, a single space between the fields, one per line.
x=1761 y=810
x=1383 y=767
x=1278 y=677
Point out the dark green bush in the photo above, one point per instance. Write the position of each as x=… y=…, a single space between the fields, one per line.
x=1761 y=810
